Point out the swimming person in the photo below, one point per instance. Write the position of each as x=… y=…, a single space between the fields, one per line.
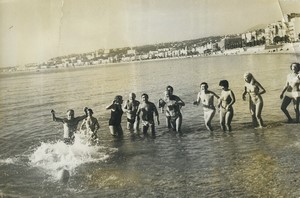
x=173 y=105
x=147 y=110
x=291 y=92
x=131 y=106
x=254 y=89
x=206 y=97
x=70 y=124
x=91 y=125
x=116 y=116
x=227 y=99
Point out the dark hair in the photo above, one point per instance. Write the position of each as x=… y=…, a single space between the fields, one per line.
x=204 y=83
x=169 y=87
x=91 y=111
x=144 y=94
x=297 y=65
x=224 y=83
x=118 y=97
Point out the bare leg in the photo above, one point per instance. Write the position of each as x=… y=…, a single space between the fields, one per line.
x=178 y=123
x=285 y=102
x=222 y=119
x=208 y=116
x=259 y=107
x=296 y=107
x=228 y=118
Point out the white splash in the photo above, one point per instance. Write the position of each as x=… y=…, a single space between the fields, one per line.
x=58 y=156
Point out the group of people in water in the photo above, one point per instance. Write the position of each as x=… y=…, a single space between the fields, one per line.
x=146 y=112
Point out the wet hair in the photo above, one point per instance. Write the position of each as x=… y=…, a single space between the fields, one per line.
x=248 y=74
x=205 y=84
x=132 y=95
x=91 y=111
x=297 y=65
x=70 y=110
x=224 y=83
x=118 y=98
x=144 y=94
x=169 y=87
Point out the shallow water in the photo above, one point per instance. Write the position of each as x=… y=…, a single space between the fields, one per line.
x=243 y=163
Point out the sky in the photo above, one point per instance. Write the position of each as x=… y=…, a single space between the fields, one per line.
x=37 y=30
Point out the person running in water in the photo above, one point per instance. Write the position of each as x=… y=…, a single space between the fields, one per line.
x=227 y=99
x=116 y=116
x=147 y=110
x=70 y=124
x=254 y=89
x=172 y=104
x=131 y=107
x=206 y=97
x=91 y=125
x=291 y=92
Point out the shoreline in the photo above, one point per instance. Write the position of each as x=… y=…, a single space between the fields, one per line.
x=257 y=50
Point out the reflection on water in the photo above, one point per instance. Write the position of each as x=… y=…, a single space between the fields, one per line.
x=243 y=163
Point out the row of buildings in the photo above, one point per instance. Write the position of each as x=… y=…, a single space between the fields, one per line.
x=269 y=37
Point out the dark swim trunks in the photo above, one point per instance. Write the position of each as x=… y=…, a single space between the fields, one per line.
x=131 y=121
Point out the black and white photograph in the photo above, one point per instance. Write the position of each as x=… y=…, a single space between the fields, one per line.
x=150 y=98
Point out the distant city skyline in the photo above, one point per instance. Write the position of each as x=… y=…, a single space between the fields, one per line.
x=35 y=31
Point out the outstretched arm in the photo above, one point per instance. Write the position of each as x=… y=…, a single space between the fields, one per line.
x=56 y=119
x=84 y=116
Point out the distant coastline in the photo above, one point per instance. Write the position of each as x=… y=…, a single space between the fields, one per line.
x=288 y=48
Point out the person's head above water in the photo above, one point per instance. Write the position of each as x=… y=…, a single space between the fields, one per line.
x=90 y=112
x=132 y=96
x=295 y=67
x=170 y=89
x=224 y=83
x=248 y=77
x=70 y=114
x=203 y=86
x=118 y=99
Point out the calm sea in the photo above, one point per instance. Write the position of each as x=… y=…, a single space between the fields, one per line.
x=244 y=163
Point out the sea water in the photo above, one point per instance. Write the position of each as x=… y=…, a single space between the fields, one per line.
x=243 y=163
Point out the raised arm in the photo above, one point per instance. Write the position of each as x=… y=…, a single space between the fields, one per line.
x=84 y=116
x=56 y=119
x=112 y=106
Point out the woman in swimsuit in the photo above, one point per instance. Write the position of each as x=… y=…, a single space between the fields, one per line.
x=254 y=89
x=291 y=92
x=227 y=99
x=116 y=116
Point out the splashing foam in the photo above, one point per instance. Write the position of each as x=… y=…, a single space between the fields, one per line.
x=58 y=157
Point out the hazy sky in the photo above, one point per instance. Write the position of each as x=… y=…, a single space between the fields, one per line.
x=37 y=30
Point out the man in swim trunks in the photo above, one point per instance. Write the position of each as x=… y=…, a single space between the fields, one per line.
x=173 y=105
x=147 y=110
x=206 y=97
x=291 y=92
x=131 y=107
x=91 y=125
x=70 y=124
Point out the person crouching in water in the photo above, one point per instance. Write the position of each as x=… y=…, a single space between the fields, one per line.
x=207 y=98
x=131 y=106
x=147 y=110
x=70 y=124
x=91 y=125
x=116 y=116
x=227 y=99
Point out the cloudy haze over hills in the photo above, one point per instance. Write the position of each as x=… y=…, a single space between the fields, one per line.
x=35 y=31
